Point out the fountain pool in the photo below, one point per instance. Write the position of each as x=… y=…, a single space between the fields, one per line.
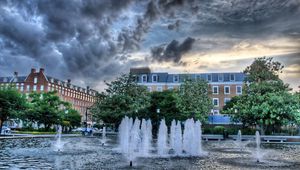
x=88 y=153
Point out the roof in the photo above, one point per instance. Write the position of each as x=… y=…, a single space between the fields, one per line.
x=10 y=79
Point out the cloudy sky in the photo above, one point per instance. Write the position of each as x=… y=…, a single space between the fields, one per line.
x=91 y=41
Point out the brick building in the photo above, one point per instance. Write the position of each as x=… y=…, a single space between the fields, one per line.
x=222 y=86
x=80 y=98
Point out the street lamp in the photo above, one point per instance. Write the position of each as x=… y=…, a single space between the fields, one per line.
x=157 y=111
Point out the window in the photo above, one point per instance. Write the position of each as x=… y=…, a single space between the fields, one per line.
x=226 y=89
x=159 y=88
x=226 y=100
x=17 y=85
x=35 y=80
x=154 y=78
x=144 y=78
x=238 y=89
x=216 y=102
x=149 y=89
x=22 y=87
x=170 y=87
x=216 y=112
x=175 y=78
x=215 y=89
x=34 y=87
x=28 y=87
x=42 y=88
x=232 y=77
x=220 y=77
x=209 y=77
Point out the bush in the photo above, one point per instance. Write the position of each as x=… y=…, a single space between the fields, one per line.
x=218 y=130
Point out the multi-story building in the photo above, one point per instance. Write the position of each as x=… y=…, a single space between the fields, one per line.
x=80 y=98
x=222 y=86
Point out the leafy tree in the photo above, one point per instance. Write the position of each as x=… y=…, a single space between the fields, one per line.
x=122 y=97
x=166 y=102
x=193 y=100
x=263 y=69
x=45 y=108
x=11 y=104
x=71 y=118
x=266 y=101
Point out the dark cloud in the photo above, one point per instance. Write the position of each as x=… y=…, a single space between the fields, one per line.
x=173 y=51
x=92 y=40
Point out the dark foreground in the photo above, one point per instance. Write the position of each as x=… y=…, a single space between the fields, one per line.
x=88 y=153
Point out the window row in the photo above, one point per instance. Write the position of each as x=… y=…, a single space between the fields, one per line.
x=216 y=101
x=238 y=89
x=207 y=77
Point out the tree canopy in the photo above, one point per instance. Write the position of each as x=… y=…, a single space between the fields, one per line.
x=45 y=108
x=193 y=100
x=122 y=97
x=266 y=100
x=11 y=104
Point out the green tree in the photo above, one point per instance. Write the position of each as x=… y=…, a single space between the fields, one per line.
x=193 y=100
x=266 y=100
x=122 y=97
x=166 y=102
x=45 y=108
x=11 y=104
x=71 y=118
x=263 y=69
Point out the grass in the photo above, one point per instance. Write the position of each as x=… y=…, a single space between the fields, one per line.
x=34 y=132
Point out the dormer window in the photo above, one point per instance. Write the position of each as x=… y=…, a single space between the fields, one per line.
x=35 y=80
x=5 y=79
x=144 y=78
x=209 y=77
x=154 y=78
x=51 y=80
x=15 y=79
x=175 y=78
x=232 y=77
x=220 y=77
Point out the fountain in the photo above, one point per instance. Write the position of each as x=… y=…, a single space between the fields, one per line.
x=257 y=139
x=58 y=144
x=162 y=138
x=135 y=138
x=103 y=135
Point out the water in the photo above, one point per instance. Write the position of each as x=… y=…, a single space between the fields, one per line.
x=88 y=153
x=162 y=138
x=258 y=151
x=58 y=145
x=135 y=139
x=103 y=135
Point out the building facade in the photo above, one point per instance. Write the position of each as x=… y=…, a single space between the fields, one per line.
x=222 y=86
x=80 y=98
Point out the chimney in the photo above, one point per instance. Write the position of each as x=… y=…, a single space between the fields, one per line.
x=16 y=74
x=42 y=70
x=69 y=81
x=87 y=88
x=33 y=70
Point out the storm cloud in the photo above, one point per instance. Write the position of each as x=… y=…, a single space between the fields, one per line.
x=91 y=41
x=172 y=51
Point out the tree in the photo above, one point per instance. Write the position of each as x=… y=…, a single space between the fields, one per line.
x=45 y=108
x=166 y=102
x=263 y=69
x=11 y=104
x=70 y=118
x=266 y=101
x=193 y=100
x=122 y=97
